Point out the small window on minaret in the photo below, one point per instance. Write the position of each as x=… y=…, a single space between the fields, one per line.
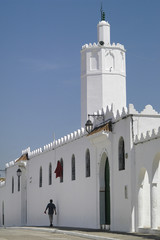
x=109 y=61
x=94 y=63
x=121 y=61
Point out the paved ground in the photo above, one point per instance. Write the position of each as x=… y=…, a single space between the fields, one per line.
x=39 y=233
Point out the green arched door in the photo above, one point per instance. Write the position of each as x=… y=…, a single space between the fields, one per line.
x=104 y=191
x=107 y=193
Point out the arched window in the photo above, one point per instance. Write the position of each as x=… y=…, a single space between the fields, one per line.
x=19 y=183
x=61 y=178
x=88 y=172
x=12 y=184
x=121 y=154
x=40 y=177
x=50 y=174
x=73 y=167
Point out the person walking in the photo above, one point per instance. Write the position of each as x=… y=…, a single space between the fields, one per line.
x=51 y=210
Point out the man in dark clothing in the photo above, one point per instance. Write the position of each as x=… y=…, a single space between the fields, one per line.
x=51 y=210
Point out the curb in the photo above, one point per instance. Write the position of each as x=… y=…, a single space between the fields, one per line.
x=69 y=233
x=85 y=235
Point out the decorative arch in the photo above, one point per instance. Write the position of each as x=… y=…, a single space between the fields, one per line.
x=143 y=199
x=121 y=61
x=94 y=61
x=104 y=178
x=155 y=190
x=109 y=61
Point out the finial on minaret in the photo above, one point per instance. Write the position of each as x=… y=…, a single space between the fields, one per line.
x=102 y=14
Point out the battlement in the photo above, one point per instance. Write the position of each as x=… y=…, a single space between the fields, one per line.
x=110 y=113
x=25 y=151
x=116 y=115
x=147 y=136
x=97 y=45
x=58 y=143
x=107 y=113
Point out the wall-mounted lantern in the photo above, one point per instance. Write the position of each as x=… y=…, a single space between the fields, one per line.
x=19 y=174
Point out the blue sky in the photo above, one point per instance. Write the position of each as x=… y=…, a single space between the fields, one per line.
x=40 y=45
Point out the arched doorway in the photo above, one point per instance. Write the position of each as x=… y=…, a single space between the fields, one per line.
x=104 y=191
x=155 y=189
x=143 y=200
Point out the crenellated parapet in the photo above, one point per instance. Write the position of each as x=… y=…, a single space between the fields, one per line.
x=109 y=46
x=151 y=134
x=105 y=114
x=147 y=136
x=20 y=163
x=25 y=151
x=140 y=118
x=148 y=110
x=109 y=113
x=11 y=163
x=58 y=143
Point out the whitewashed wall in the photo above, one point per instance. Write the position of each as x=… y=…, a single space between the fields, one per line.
x=75 y=200
x=12 y=201
x=78 y=202
x=148 y=184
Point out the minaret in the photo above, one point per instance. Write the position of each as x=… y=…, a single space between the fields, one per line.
x=103 y=73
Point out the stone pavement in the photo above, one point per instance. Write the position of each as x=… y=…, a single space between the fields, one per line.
x=46 y=233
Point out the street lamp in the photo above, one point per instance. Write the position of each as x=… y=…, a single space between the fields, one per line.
x=89 y=124
x=19 y=174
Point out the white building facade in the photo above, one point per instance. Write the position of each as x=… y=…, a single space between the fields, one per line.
x=111 y=175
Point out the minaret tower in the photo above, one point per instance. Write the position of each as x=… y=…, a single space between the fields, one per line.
x=103 y=73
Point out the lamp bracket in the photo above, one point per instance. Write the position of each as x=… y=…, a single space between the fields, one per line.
x=96 y=115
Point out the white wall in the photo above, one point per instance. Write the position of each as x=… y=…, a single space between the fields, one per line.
x=75 y=200
x=147 y=154
x=78 y=202
x=12 y=201
x=121 y=178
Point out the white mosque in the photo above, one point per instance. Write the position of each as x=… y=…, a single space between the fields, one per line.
x=104 y=175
